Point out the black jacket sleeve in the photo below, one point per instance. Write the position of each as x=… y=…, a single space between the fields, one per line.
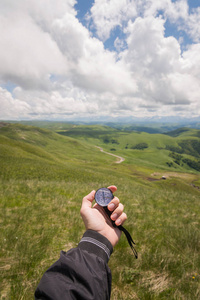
x=81 y=273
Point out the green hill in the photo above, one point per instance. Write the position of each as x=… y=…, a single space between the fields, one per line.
x=153 y=151
x=31 y=152
x=184 y=132
x=43 y=178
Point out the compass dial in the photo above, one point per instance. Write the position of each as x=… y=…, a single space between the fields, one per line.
x=103 y=196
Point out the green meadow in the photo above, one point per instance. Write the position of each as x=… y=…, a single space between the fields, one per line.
x=45 y=173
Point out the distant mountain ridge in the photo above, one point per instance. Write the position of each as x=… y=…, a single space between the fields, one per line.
x=150 y=125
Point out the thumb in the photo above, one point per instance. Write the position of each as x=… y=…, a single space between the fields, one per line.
x=87 y=200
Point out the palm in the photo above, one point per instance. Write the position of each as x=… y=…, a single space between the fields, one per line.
x=95 y=218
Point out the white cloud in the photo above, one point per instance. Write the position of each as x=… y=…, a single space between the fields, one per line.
x=107 y=14
x=60 y=68
x=151 y=58
x=28 y=55
x=163 y=75
x=172 y=10
x=191 y=61
x=119 y=44
x=192 y=26
x=12 y=108
x=92 y=67
x=44 y=105
x=57 y=45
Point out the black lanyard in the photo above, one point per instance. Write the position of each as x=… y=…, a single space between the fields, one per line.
x=103 y=196
x=125 y=231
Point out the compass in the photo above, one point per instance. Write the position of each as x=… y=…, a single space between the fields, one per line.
x=103 y=196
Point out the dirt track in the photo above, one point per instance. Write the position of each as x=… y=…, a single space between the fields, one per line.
x=119 y=158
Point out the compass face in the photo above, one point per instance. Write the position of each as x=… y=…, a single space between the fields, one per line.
x=103 y=196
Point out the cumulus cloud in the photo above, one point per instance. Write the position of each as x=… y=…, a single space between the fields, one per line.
x=58 y=67
x=192 y=25
x=151 y=58
x=172 y=10
x=12 y=108
x=92 y=67
x=28 y=54
x=107 y=14
x=163 y=74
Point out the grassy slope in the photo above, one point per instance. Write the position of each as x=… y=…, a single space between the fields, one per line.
x=43 y=179
x=44 y=154
x=155 y=157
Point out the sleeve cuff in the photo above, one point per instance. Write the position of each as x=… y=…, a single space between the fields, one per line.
x=97 y=244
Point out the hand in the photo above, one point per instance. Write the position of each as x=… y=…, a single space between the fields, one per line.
x=95 y=218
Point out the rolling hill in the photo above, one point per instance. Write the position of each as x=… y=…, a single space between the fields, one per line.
x=140 y=148
x=32 y=152
x=44 y=174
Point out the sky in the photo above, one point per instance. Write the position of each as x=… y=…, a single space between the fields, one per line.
x=67 y=59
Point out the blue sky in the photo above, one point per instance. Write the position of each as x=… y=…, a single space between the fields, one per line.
x=67 y=59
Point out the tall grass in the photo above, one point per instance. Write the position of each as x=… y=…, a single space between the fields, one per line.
x=40 y=201
x=165 y=225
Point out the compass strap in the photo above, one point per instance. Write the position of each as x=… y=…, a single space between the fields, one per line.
x=129 y=239
x=125 y=231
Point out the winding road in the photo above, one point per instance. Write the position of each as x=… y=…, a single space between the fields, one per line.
x=119 y=158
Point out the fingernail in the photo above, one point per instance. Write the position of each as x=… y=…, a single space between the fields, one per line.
x=111 y=206
x=118 y=222
x=114 y=216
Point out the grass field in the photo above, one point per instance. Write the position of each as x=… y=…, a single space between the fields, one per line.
x=43 y=178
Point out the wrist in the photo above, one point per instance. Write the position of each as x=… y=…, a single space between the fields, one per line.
x=96 y=243
x=113 y=236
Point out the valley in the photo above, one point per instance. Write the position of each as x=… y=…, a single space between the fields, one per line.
x=45 y=173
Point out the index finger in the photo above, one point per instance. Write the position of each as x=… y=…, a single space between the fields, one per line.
x=113 y=188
